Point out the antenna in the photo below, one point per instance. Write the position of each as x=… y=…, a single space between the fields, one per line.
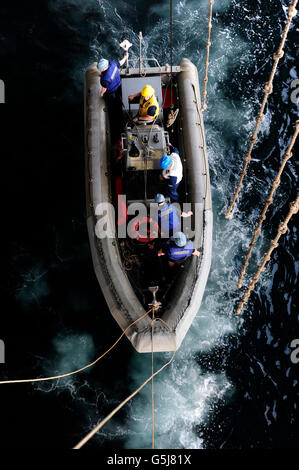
x=140 y=54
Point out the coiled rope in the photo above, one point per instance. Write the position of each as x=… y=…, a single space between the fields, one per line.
x=117 y=408
x=283 y=227
x=82 y=368
x=204 y=94
x=288 y=154
x=292 y=12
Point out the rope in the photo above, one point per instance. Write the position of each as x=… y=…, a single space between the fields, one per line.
x=82 y=368
x=171 y=48
x=268 y=90
x=170 y=36
x=113 y=412
x=204 y=95
x=283 y=227
x=269 y=201
x=153 y=402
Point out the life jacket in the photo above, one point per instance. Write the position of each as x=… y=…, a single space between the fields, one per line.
x=144 y=105
x=176 y=253
x=168 y=219
x=146 y=230
x=112 y=76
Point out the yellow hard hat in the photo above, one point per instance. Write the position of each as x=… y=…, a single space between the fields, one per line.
x=147 y=91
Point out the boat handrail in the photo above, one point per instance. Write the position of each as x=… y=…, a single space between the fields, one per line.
x=147 y=59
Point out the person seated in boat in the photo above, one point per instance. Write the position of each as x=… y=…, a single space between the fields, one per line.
x=172 y=172
x=148 y=105
x=110 y=77
x=168 y=218
x=178 y=249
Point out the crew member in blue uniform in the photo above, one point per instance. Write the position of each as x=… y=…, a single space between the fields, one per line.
x=111 y=91
x=178 y=249
x=168 y=218
x=172 y=172
x=110 y=76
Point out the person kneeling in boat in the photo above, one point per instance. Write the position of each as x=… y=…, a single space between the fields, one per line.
x=168 y=218
x=148 y=105
x=110 y=77
x=172 y=172
x=178 y=249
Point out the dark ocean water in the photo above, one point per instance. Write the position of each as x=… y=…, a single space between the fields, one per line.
x=232 y=384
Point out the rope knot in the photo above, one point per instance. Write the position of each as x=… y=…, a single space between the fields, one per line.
x=292 y=11
x=259 y=117
x=268 y=88
x=278 y=55
x=294 y=206
x=288 y=155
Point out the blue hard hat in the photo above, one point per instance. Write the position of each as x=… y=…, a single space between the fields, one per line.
x=179 y=239
x=103 y=64
x=159 y=198
x=165 y=162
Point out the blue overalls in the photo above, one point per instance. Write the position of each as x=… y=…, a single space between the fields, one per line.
x=177 y=254
x=168 y=220
x=110 y=79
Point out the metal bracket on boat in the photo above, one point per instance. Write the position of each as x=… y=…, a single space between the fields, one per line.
x=155 y=303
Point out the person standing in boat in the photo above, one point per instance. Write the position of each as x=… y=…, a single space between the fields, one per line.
x=178 y=249
x=168 y=217
x=148 y=105
x=110 y=77
x=172 y=172
x=111 y=91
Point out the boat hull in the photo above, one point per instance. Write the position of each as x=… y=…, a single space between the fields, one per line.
x=121 y=299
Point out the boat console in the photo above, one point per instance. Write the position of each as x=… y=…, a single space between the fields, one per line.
x=143 y=146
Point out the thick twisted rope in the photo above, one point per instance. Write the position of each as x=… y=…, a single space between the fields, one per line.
x=268 y=90
x=269 y=201
x=204 y=94
x=283 y=227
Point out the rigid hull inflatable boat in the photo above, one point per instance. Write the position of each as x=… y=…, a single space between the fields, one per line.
x=122 y=158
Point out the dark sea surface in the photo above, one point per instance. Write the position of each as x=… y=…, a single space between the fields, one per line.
x=232 y=384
